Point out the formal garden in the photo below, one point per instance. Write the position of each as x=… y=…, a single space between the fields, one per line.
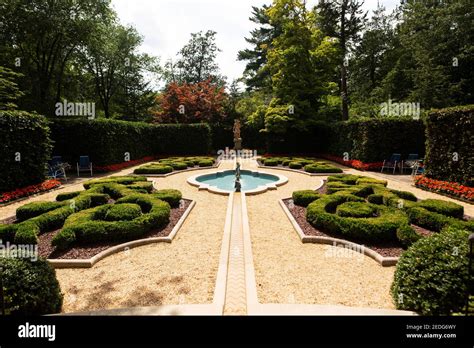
x=204 y=198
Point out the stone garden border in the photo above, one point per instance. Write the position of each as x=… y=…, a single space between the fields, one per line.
x=88 y=263
x=382 y=260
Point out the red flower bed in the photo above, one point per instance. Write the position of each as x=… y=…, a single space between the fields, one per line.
x=119 y=166
x=29 y=190
x=453 y=189
x=354 y=163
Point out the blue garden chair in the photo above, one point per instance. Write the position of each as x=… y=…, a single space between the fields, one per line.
x=84 y=165
x=56 y=168
x=392 y=163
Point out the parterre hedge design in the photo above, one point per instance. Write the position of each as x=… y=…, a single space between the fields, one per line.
x=308 y=164
x=110 y=209
x=167 y=165
x=362 y=208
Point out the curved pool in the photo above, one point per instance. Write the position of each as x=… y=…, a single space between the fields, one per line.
x=250 y=181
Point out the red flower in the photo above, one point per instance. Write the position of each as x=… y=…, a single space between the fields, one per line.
x=29 y=190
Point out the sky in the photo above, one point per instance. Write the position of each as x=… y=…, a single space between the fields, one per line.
x=166 y=25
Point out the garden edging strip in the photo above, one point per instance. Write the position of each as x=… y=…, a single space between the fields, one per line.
x=88 y=263
x=383 y=261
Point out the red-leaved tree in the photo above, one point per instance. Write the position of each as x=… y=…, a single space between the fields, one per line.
x=191 y=103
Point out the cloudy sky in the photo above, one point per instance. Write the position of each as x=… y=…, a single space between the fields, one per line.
x=166 y=25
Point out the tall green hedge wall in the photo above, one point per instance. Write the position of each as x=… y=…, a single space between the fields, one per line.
x=25 y=148
x=376 y=139
x=450 y=145
x=107 y=141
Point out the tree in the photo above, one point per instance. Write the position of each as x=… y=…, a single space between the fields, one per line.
x=39 y=39
x=196 y=62
x=9 y=92
x=300 y=61
x=256 y=76
x=342 y=19
x=191 y=103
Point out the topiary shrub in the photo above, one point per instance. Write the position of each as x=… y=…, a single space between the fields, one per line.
x=407 y=235
x=125 y=211
x=305 y=197
x=432 y=275
x=173 y=197
x=206 y=163
x=295 y=165
x=405 y=195
x=30 y=286
x=178 y=165
x=375 y=198
x=382 y=227
x=435 y=221
x=443 y=207
x=91 y=225
x=355 y=209
x=67 y=195
x=321 y=168
x=365 y=180
x=122 y=180
x=347 y=179
x=154 y=169
x=272 y=162
x=34 y=209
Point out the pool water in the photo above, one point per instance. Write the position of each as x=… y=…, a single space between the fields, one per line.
x=226 y=180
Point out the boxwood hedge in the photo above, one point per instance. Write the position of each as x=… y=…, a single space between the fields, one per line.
x=432 y=275
x=30 y=286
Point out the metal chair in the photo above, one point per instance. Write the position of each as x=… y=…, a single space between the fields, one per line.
x=392 y=163
x=409 y=163
x=84 y=165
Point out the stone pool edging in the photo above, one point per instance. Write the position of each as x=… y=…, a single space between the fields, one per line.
x=382 y=260
x=88 y=263
x=260 y=189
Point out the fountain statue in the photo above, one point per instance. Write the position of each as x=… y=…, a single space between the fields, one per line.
x=237 y=185
x=237 y=138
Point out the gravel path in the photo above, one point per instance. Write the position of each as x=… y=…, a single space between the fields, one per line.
x=183 y=272
x=288 y=271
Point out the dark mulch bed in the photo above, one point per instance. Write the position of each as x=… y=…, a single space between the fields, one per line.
x=45 y=249
x=386 y=249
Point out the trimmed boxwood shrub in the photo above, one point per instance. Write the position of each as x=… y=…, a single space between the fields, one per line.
x=347 y=179
x=432 y=275
x=108 y=140
x=125 y=211
x=383 y=227
x=441 y=145
x=305 y=197
x=355 y=209
x=405 y=195
x=89 y=226
x=123 y=180
x=295 y=165
x=371 y=181
x=154 y=169
x=407 y=235
x=443 y=207
x=206 y=163
x=273 y=162
x=67 y=195
x=435 y=221
x=30 y=287
x=25 y=149
x=178 y=165
x=321 y=168
x=173 y=197
x=34 y=209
